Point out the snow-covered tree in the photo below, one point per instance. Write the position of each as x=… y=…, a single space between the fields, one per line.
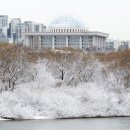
x=13 y=66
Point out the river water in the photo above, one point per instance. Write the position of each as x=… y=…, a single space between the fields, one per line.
x=68 y=124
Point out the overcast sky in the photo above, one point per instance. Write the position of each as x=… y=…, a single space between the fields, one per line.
x=110 y=16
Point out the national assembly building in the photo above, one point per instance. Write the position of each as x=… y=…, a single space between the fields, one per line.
x=67 y=32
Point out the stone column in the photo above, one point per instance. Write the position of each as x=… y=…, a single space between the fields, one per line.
x=94 y=41
x=87 y=44
x=53 y=42
x=33 y=42
x=29 y=44
x=101 y=43
x=26 y=42
x=98 y=42
x=66 y=41
x=80 y=42
x=39 y=44
x=104 y=42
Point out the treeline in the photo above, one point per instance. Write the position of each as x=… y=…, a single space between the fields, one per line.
x=117 y=63
x=69 y=66
x=76 y=66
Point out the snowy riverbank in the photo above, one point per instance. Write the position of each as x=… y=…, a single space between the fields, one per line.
x=65 y=87
x=84 y=101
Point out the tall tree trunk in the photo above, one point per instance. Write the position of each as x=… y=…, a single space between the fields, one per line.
x=62 y=75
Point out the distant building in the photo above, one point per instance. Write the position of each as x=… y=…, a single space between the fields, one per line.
x=3 y=27
x=110 y=45
x=31 y=26
x=3 y=21
x=67 y=32
x=15 y=33
x=124 y=46
x=40 y=27
x=117 y=45
x=17 y=29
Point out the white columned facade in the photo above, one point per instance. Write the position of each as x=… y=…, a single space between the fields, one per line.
x=34 y=41
x=65 y=32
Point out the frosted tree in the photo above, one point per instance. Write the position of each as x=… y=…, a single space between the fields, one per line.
x=61 y=63
x=82 y=70
x=13 y=66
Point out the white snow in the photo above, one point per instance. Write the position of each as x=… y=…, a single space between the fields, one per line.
x=40 y=99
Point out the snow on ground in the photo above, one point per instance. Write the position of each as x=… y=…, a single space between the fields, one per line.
x=3 y=119
x=40 y=99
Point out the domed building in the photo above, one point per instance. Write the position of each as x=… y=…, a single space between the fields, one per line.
x=67 y=31
x=66 y=24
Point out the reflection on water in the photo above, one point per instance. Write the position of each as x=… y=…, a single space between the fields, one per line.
x=68 y=124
